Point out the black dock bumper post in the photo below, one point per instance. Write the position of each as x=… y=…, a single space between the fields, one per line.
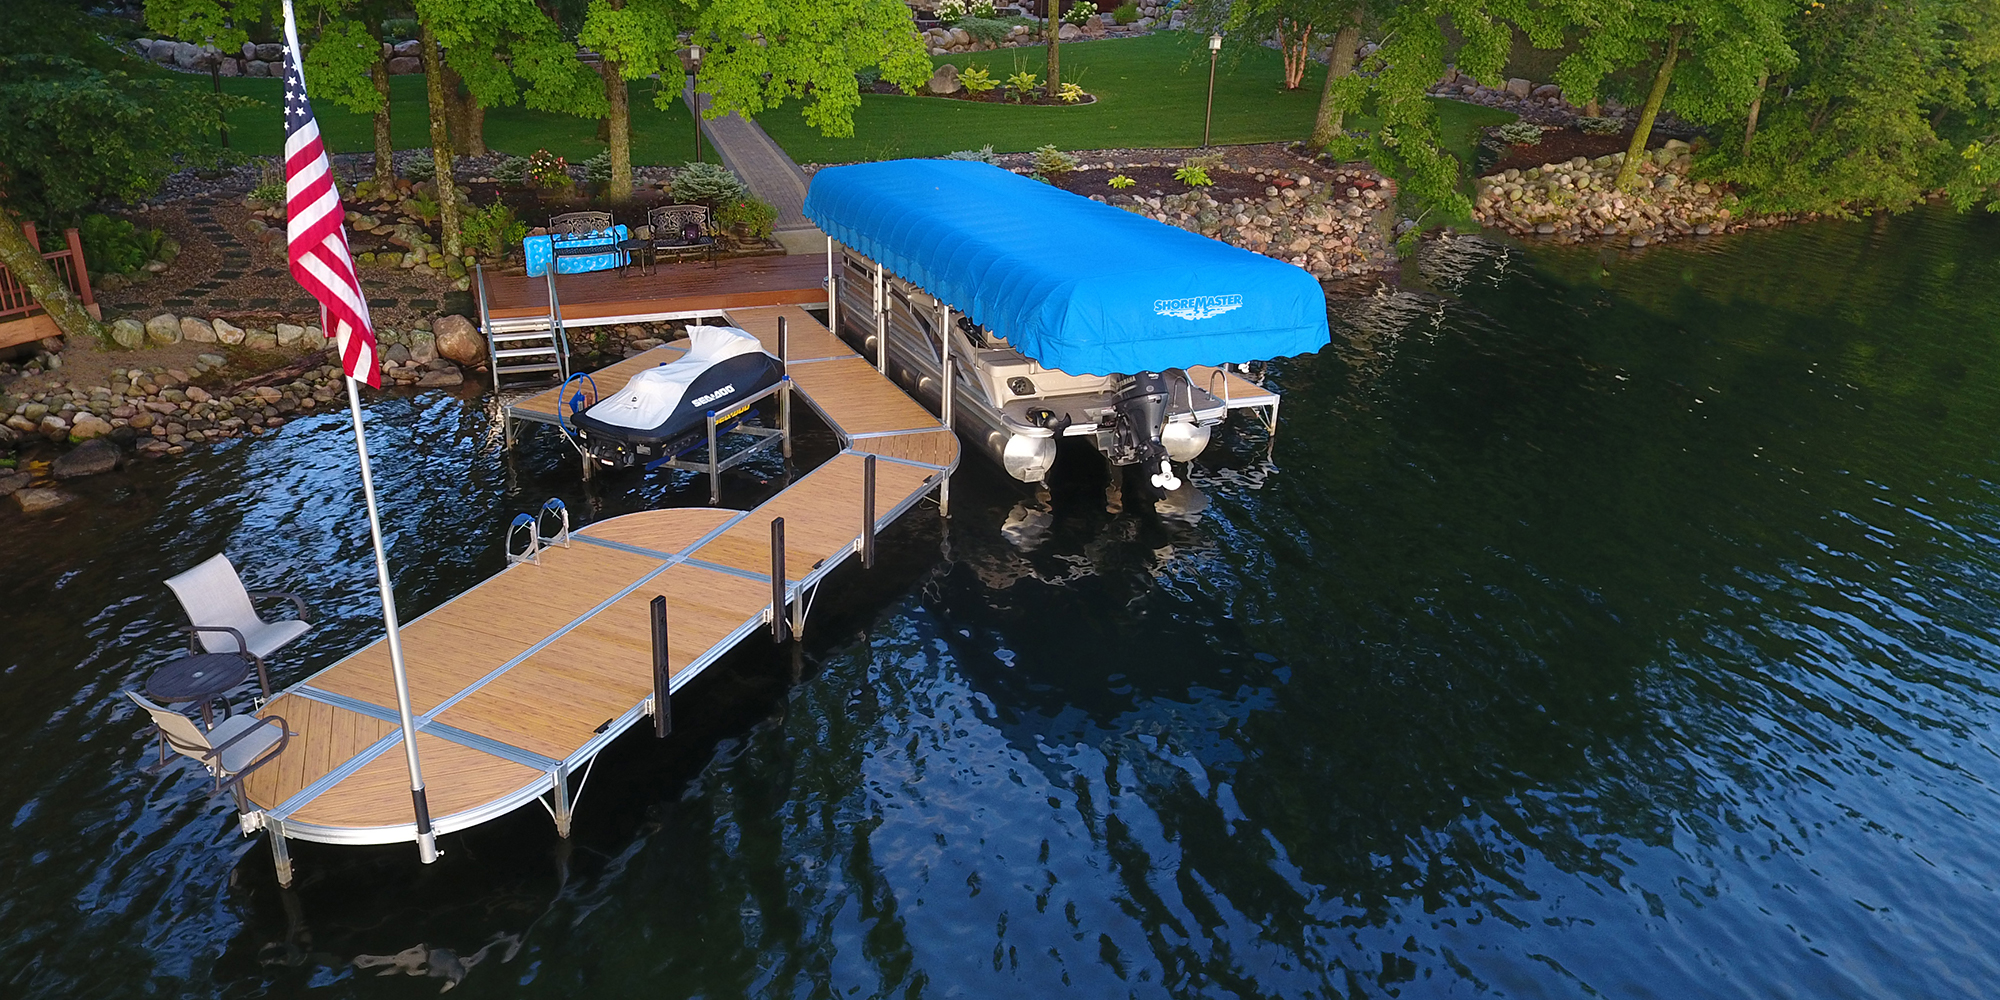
x=785 y=393
x=868 y=512
x=663 y=706
x=714 y=465
x=778 y=580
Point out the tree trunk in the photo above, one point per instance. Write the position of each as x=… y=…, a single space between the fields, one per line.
x=467 y=117
x=1591 y=109
x=48 y=288
x=385 y=149
x=1756 y=104
x=1629 y=171
x=1297 y=50
x=447 y=193
x=619 y=96
x=1327 y=123
x=1055 y=46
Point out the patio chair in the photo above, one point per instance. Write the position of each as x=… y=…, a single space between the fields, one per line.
x=224 y=620
x=682 y=231
x=582 y=234
x=239 y=745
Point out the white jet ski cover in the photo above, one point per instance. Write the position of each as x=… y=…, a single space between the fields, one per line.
x=663 y=411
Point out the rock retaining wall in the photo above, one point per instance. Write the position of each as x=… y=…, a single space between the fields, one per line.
x=1576 y=200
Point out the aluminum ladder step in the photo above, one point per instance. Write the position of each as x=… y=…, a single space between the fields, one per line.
x=508 y=338
x=546 y=366
x=523 y=352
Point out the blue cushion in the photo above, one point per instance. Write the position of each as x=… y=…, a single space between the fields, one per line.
x=539 y=250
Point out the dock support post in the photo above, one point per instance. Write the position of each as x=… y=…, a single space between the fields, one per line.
x=785 y=389
x=714 y=465
x=832 y=291
x=560 y=794
x=949 y=383
x=778 y=580
x=281 y=855
x=663 y=706
x=881 y=323
x=868 y=512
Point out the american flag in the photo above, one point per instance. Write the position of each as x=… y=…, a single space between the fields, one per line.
x=316 y=235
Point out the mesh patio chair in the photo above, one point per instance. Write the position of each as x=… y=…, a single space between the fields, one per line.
x=582 y=234
x=239 y=745
x=223 y=619
x=682 y=231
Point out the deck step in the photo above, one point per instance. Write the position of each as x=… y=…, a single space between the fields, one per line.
x=546 y=366
x=523 y=352
x=508 y=338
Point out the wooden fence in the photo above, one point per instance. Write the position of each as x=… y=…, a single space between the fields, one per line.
x=23 y=319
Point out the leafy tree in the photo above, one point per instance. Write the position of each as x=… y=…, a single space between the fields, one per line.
x=1720 y=49
x=1295 y=21
x=764 y=52
x=637 y=38
x=345 y=65
x=85 y=123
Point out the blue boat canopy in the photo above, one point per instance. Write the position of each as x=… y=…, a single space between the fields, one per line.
x=1075 y=284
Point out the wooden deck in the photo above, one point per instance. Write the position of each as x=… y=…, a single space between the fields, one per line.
x=671 y=291
x=521 y=680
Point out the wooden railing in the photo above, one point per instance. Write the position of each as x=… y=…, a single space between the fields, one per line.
x=16 y=302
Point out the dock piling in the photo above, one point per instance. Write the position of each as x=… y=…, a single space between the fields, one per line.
x=663 y=706
x=868 y=512
x=281 y=855
x=714 y=465
x=778 y=580
x=785 y=392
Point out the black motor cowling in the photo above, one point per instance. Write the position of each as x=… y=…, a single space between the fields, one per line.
x=1139 y=415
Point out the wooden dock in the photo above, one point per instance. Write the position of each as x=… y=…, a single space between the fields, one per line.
x=519 y=682
x=670 y=291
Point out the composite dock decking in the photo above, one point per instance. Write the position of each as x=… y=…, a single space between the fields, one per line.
x=671 y=291
x=521 y=680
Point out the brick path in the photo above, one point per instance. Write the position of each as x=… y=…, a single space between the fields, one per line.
x=771 y=174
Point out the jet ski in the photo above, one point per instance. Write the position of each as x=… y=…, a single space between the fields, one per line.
x=662 y=412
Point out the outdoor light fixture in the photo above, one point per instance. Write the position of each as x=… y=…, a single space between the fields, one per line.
x=1214 y=49
x=692 y=60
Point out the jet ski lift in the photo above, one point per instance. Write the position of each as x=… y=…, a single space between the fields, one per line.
x=680 y=414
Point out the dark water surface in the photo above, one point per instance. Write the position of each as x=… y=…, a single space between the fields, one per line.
x=1614 y=626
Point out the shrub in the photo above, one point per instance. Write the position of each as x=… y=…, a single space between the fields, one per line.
x=1193 y=176
x=984 y=29
x=116 y=246
x=868 y=76
x=1071 y=93
x=707 y=184
x=977 y=79
x=1051 y=162
x=269 y=192
x=1126 y=13
x=597 y=169
x=1080 y=14
x=1021 y=84
x=951 y=11
x=980 y=8
x=1120 y=182
x=983 y=154
x=1521 y=134
x=493 y=230
x=1600 y=126
x=512 y=170
x=400 y=27
x=547 y=170
x=422 y=205
x=421 y=169
x=750 y=214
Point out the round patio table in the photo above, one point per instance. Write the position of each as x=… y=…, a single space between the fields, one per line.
x=203 y=678
x=638 y=252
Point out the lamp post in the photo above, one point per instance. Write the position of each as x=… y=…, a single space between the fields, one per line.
x=1214 y=49
x=692 y=60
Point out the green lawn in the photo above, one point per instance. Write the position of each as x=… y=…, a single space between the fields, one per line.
x=1150 y=93
x=658 y=137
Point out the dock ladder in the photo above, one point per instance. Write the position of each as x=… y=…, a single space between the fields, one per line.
x=528 y=349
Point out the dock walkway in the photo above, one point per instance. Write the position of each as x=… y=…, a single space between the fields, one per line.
x=522 y=680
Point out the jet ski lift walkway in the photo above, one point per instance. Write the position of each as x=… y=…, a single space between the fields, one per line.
x=520 y=682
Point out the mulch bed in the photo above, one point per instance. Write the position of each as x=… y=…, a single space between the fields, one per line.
x=1153 y=181
x=998 y=95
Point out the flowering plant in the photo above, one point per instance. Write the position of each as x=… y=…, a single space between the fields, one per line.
x=547 y=170
x=1080 y=14
x=949 y=11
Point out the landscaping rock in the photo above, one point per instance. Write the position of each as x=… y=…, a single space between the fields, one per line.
x=163 y=330
x=459 y=340
x=441 y=380
x=89 y=426
x=257 y=67
x=1069 y=32
x=225 y=333
x=260 y=340
x=38 y=500
x=90 y=458
x=423 y=347
x=396 y=353
x=289 y=335
x=14 y=482
x=945 y=80
x=270 y=51
x=405 y=65
x=129 y=334
x=1520 y=88
x=54 y=426
x=197 y=330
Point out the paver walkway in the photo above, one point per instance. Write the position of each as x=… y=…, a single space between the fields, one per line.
x=763 y=165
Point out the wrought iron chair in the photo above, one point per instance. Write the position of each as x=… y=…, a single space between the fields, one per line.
x=682 y=231
x=224 y=620
x=583 y=234
x=239 y=745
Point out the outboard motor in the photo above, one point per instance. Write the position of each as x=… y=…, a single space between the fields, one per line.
x=1141 y=413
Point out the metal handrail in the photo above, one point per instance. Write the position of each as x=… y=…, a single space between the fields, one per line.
x=486 y=324
x=559 y=337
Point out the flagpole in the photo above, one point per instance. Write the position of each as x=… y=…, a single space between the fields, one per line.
x=426 y=837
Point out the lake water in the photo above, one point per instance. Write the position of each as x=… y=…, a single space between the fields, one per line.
x=1601 y=625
